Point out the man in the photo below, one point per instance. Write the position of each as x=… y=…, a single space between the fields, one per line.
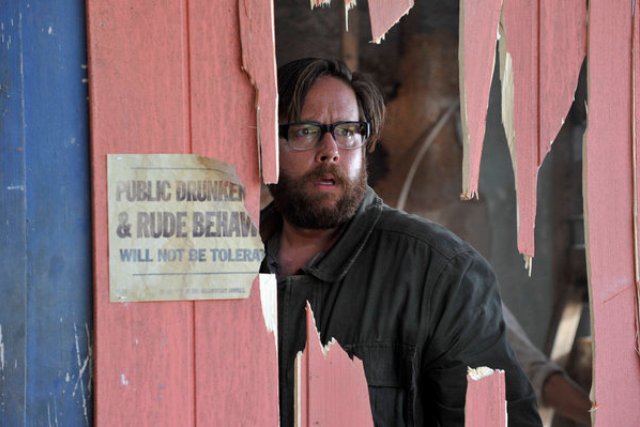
x=410 y=299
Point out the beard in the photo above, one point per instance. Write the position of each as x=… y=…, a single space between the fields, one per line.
x=309 y=210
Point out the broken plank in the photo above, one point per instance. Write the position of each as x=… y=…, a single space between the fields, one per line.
x=331 y=388
x=476 y=56
x=563 y=44
x=520 y=103
x=485 y=404
x=259 y=61
x=384 y=14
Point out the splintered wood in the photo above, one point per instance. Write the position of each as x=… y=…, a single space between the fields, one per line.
x=542 y=46
x=259 y=61
x=384 y=14
x=485 y=404
x=476 y=55
x=330 y=387
x=608 y=204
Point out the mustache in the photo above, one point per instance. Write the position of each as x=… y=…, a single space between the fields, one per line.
x=323 y=170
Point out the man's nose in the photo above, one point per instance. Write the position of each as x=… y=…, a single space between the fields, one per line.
x=327 y=149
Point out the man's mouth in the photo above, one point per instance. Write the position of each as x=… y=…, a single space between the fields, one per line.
x=327 y=181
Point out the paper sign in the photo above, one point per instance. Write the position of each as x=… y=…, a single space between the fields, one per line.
x=178 y=229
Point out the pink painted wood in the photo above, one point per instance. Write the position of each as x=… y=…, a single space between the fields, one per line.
x=160 y=82
x=608 y=195
x=259 y=61
x=486 y=404
x=478 y=33
x=563 y=46
x=333 y=387
x=235 y=355
x=520 y=103
x=542 y=51
x=144 y=361
x=384 y=14
x=636 y=141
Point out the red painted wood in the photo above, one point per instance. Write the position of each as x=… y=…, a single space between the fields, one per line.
x=236 y=361
x=520 y=103
x=138 y=91
x=384 y=14
x=165 y=80
x=608 y=193
x=259 y=61
x=334 y=389
x=486 y=404
x=478 y=32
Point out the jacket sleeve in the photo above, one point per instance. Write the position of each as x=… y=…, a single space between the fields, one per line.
x=466 y=329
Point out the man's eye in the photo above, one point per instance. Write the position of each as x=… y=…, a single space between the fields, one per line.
x=346 y=130
x=305 y=131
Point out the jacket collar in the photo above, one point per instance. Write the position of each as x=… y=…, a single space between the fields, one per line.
x=336 y=263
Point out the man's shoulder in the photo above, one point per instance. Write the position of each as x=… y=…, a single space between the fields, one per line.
x=420 y=231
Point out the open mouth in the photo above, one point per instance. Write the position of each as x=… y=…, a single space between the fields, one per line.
x=327 y=180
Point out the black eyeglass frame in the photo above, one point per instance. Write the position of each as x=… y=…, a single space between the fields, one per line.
x=283 y=131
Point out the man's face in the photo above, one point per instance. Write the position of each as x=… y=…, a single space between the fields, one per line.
x=321 y=188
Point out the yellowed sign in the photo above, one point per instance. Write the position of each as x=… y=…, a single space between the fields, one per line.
x=178 y=229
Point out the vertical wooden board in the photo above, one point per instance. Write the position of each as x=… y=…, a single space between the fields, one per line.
x=608 y=193
x=13 y=233
x=236 y=360
x=486 y=404
x=520 y=102
x=563 y=44
x=476 y=56
x=58 y=214
x=334 y=388
x=44 y=251
x=384 y=14
x=144 y=369
x=259 y=61
x=636 y=145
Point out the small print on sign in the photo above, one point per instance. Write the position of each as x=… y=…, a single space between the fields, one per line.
x=178 y=229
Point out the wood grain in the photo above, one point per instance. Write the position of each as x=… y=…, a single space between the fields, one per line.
x=476 y=56
x=608 y=196
x=331 y=387
x=486 y=404
x=384 y=14
x=144 y=361
x=259 y=61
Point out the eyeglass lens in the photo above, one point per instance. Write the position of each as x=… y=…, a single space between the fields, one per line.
x=304 y=136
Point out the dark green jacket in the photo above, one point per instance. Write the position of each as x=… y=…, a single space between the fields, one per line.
x=414 y=302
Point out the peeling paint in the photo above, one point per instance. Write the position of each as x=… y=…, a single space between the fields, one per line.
x=83 y=364
x=1 y=352
x=479 y=373
x=123 y=379
x=268 y=299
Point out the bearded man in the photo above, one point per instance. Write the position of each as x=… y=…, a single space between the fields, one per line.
x=415 y=303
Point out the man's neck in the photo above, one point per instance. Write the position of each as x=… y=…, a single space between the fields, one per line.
x=299 y=245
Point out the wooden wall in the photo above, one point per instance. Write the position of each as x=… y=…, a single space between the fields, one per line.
x=166 y=78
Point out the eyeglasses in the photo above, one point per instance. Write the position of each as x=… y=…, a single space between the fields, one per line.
x=305 y=136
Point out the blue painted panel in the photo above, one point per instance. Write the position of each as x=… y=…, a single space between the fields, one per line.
x=13 y=262
x=52 y=284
